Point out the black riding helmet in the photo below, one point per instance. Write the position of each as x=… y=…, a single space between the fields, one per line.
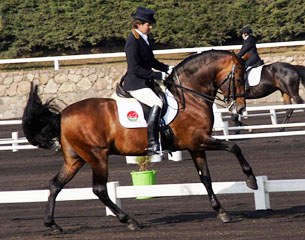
x=246 y=29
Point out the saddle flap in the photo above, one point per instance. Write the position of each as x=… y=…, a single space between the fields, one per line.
x=254 y=75
x=131 y=114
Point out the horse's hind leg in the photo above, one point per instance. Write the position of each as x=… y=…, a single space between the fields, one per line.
x=287 y=100
x=100 y=177
x=66 y=173
x=218 y=144
x=201 y=165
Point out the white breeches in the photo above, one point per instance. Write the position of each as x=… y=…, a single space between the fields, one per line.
x=147 y=96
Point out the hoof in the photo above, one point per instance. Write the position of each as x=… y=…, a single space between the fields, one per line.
x=133 y=225
x=56 y=230
x=251 y=183
x=224 y=217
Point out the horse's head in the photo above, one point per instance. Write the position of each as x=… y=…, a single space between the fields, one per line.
x=231 y=82
x=201 y=75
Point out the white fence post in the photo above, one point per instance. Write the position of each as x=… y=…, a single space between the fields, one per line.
x=176 y=156
x=273 y=116
x=56 y=64
x=14 y=144
x=261 y=196
x=111 y=187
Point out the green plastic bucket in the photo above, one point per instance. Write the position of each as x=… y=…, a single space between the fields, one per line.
x=143 y=178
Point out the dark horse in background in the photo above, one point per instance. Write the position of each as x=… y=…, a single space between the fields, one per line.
x=89 y=131
x=278 y=76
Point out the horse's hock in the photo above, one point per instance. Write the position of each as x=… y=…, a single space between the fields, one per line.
x=71 y=84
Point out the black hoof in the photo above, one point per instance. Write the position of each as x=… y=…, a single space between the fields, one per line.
x=55 y=229
x=251 y=183
x=224 y=217
x=133 y=225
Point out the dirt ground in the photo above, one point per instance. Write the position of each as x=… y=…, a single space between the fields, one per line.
x=176 y=218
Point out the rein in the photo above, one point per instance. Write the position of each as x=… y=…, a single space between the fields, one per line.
x=232 y=88
x=206 y=97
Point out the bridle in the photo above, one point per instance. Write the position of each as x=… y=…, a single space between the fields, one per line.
x=230 y=96
x=231 y=93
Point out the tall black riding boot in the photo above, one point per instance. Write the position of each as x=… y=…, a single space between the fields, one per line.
x=153 y=131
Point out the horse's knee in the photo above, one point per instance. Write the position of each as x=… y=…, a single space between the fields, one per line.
x=101 y=192
x=235 y=117
x=234 y=148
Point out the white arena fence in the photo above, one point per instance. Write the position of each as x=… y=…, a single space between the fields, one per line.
x=14 y=143
x=221 y=125
x=57 y=59
x=117 y=192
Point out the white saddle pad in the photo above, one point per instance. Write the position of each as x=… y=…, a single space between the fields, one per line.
x=254 y=75
x=131 y=114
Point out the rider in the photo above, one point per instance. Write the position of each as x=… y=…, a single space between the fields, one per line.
x=249 y=47
x=139 y=79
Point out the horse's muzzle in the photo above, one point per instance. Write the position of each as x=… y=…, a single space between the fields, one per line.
x=236 y=107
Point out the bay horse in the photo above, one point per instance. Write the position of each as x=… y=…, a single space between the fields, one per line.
x=89 y=131
x=278 y=76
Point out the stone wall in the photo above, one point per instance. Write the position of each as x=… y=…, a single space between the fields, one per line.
x=72 y=84
x=66 y=86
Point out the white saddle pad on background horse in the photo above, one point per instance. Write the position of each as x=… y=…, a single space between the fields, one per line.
x=254 y=75
x=131 y=114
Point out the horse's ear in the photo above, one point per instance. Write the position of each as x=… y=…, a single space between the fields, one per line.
x=237 y=60
x=234 y=55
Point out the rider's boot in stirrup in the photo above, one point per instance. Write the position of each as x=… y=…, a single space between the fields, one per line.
x=153 y=131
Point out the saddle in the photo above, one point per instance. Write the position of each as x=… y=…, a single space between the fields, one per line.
x=169 y=112
x=146 y=109
x=253 y=75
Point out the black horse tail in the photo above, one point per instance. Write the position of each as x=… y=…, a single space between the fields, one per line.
x=301 y=70
x=41 y=121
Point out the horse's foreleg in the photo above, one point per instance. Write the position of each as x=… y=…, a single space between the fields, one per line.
x=218 y=144
x=201 y=165
x=100 y=175
x=57 y=183
x=236 y=120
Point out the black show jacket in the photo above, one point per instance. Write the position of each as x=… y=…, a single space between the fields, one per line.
x=249 y=46
x=140 y=61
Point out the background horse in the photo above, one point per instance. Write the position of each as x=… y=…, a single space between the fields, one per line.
x=89 y=130
x=278 y=76
x=301 y=70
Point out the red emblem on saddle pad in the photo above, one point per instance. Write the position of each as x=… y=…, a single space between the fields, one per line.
x=132 y=116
